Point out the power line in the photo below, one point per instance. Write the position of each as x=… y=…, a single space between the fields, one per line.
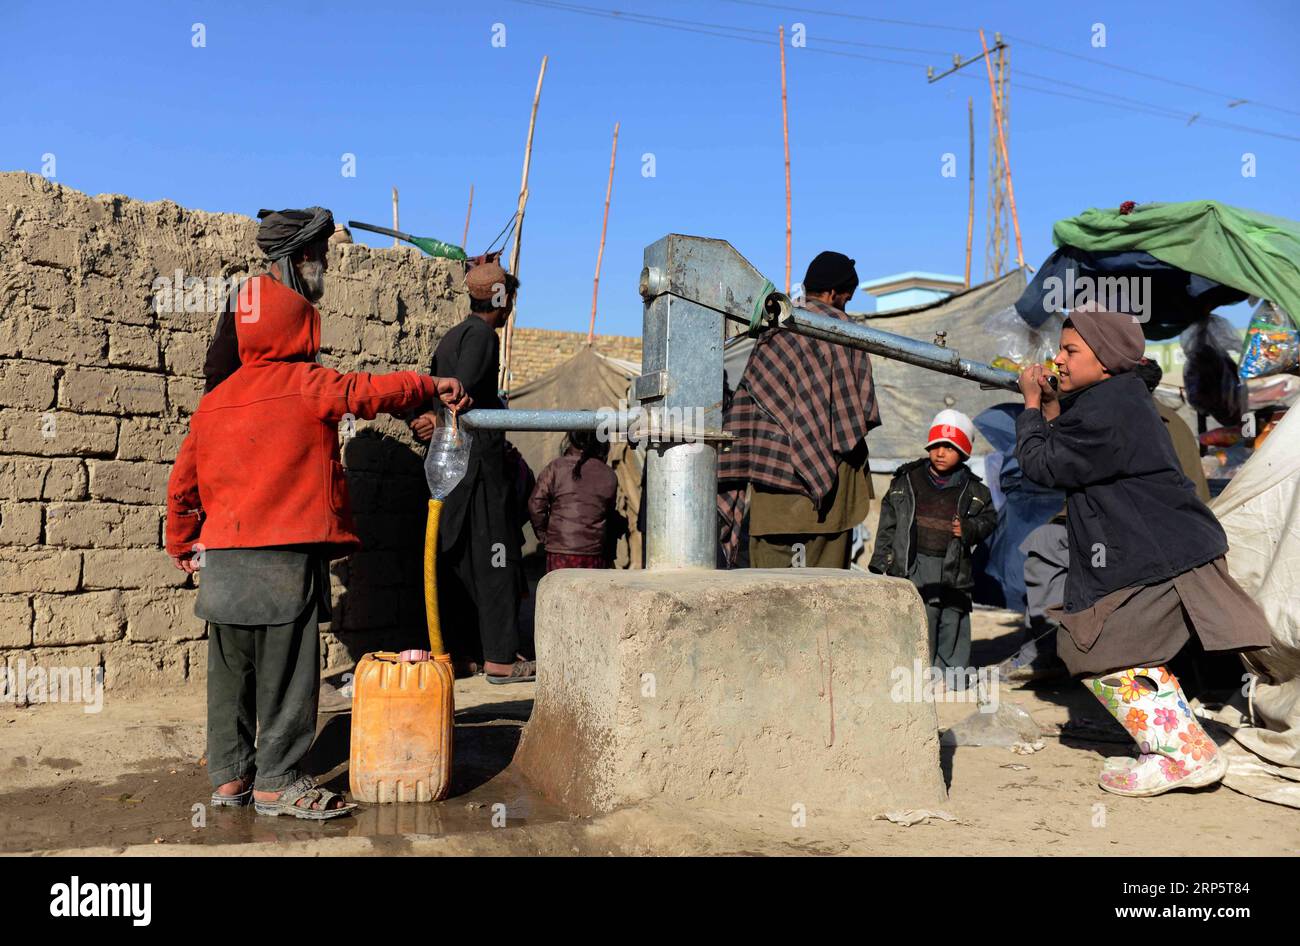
x=1136 y=105
x=856 y=16
x=1152 y=76
x=1028 y=42
x=639 y=19
x=723 y=31
x=710 y=29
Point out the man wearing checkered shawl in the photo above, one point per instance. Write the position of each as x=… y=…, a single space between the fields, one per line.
x=800 y=416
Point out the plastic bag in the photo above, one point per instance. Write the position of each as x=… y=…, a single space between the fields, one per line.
x=1018 y=344
x=1008 y=725
x=1265 y=392
x=1272 y=343
x=447 y=459
x=1210 y=375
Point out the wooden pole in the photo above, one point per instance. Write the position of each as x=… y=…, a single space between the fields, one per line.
x=785 y=133
x=970 y=205
x=396 y=242
x=1006 y=161
x=600 y=253
x=503 y=380
x=464 y=240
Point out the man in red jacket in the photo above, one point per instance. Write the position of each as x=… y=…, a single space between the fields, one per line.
x=258 y=499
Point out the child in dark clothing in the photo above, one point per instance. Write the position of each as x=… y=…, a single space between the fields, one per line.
x=935 y=512
x=1146 y=566
x=573 y=504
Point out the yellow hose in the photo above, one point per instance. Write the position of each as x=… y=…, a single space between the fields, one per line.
x=431 y=577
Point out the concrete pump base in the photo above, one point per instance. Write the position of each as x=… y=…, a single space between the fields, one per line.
x=776 y=688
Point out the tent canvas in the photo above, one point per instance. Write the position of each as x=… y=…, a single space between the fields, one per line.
x=1253 y=252
x=1260 y=512
x=587 y=381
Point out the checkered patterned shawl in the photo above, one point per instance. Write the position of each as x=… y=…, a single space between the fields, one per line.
x=801 y=405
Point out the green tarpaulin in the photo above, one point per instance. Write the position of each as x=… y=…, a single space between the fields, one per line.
x=1254 y=252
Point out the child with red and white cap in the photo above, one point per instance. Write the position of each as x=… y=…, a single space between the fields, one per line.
x=935 y=512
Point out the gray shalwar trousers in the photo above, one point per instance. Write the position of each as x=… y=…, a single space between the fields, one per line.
x=263 y=608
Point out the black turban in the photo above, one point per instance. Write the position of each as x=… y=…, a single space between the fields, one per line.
x=281 y=234
x=830 y=271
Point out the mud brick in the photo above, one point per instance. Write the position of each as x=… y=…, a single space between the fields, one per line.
x=28 y=384
x=107 y=391
x=90 y=617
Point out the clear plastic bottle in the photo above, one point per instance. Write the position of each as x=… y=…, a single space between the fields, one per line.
x=447 y=459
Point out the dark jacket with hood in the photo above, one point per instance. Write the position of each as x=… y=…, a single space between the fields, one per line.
x=895 y=551
x=1133 y=516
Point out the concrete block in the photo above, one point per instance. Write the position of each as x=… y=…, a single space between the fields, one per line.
x=766 y=687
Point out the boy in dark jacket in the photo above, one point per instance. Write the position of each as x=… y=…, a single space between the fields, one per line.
x=935 y=512
x=1147 y=569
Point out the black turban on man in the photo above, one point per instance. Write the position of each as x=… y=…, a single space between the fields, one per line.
x=281 y=235
x=285 y=232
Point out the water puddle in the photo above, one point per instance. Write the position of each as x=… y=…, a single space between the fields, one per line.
x=167 y=801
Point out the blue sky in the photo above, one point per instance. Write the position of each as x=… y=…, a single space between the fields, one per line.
x=262 y=115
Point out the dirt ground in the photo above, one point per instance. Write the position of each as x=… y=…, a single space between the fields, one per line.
x=129 y=780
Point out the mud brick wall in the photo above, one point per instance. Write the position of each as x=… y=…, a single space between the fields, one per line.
x=96 y=386
x=538 y=350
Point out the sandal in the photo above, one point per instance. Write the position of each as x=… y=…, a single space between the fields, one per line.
x=239 y=800
x=522 y=671
x=305 y=787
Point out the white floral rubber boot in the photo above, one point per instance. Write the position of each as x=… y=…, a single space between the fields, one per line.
x=1176 y=751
